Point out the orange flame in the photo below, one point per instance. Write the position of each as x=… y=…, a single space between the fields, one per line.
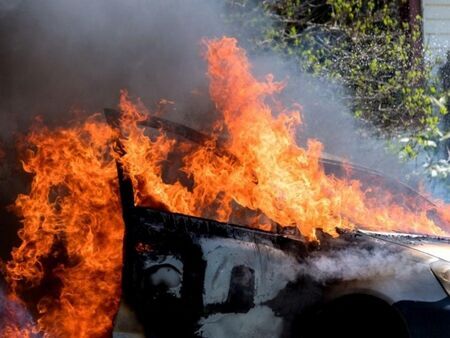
x=268 y=174
x=71 y=223
x=70 y=255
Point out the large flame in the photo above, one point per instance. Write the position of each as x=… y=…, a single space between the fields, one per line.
x=69 y=261
x=268 y=173
x=72 y=230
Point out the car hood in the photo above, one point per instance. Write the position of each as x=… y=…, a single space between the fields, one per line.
x=435 y=246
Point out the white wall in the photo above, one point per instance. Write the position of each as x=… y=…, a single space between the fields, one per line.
x=436 y=26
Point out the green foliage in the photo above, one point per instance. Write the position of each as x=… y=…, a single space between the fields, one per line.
x=369 y=47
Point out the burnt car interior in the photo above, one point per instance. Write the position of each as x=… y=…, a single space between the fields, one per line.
x=167 y=296
x=147 y=232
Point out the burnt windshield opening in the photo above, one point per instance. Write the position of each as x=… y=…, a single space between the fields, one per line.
x=379 y=190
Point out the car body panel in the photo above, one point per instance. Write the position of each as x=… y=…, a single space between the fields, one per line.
x=219 y=276
x=185 y=276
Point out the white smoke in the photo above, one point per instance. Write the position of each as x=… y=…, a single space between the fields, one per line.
x=359 y=263
x=13 y=314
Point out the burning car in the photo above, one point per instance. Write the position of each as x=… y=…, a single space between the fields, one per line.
x=187 y=276
x=238 y=231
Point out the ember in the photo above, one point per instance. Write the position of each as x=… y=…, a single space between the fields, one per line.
x=72 y=226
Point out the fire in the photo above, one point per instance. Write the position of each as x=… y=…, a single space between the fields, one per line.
x=69 y=261
x=72 y=230
x=268 y=174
